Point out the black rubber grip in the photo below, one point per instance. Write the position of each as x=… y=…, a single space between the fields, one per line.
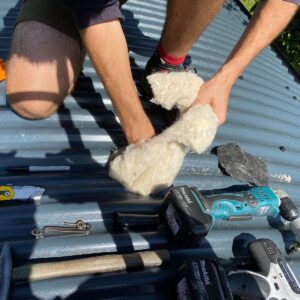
x=264 y=252
x=288 y=209
x=135 y=220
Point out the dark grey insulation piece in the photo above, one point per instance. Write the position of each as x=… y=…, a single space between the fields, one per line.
x=235 y=162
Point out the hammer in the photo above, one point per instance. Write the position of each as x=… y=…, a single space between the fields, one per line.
x=91 y=265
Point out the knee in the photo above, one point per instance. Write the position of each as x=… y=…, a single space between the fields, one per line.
x=33 y=109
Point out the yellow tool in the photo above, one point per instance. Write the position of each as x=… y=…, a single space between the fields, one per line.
x=2 y=70
x=6 y=193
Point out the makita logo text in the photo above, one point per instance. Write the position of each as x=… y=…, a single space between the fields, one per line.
x=186 y=196
x=205 y=273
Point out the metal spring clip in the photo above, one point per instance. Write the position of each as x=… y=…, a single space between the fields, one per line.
x=77 y=228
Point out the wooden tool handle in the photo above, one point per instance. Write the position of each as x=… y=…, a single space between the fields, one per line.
x=91 y=265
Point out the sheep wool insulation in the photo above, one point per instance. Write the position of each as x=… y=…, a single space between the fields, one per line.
x=156 y=162
x=177 y=89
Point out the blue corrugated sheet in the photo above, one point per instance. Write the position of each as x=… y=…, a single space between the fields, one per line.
x=263 y=115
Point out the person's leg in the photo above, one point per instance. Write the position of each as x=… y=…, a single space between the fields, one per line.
x=107 y=48
x=46 y=57
x=185 y=21
x=41 y=69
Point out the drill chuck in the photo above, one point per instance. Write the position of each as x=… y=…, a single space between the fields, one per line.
x=288 y=209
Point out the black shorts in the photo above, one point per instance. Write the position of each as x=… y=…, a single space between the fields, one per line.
x=68 y=16
x=90 y=12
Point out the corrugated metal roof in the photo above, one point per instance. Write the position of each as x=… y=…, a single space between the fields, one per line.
x=264 y=113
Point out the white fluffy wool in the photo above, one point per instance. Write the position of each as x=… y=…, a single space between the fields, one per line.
x=195 y=129
x=144 y=168
x=155 y=163
x=175 y=89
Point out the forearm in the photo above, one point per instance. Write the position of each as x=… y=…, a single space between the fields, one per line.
x=107 y=48
x=269 y=19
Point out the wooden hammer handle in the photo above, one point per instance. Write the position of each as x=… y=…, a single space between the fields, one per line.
x=90 y=265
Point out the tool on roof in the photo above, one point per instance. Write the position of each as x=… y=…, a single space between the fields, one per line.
x=69 y=228
x=147 y=284
x=202 y=279
x=192 y=221
x=198 y=278
x=6 y=193
x=22 y=193
x=271 y=279
x=2 y=70
x=91 y=265
x=5 y=271
x=36 y=169
x=289 y=212
x=190 y=214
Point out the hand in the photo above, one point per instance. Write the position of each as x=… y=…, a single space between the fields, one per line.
x=215 y=92
x=138 y=131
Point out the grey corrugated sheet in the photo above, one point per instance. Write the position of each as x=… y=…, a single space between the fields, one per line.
x=264 y=114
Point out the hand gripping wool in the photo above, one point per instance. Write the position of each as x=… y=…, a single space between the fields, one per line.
x=155 y=163
x=144 y=168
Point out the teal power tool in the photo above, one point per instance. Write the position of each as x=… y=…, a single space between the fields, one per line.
x=190 y=214
x=238 y=206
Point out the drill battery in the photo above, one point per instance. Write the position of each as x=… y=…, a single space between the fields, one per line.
x=202 y=279
x=187 y=221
